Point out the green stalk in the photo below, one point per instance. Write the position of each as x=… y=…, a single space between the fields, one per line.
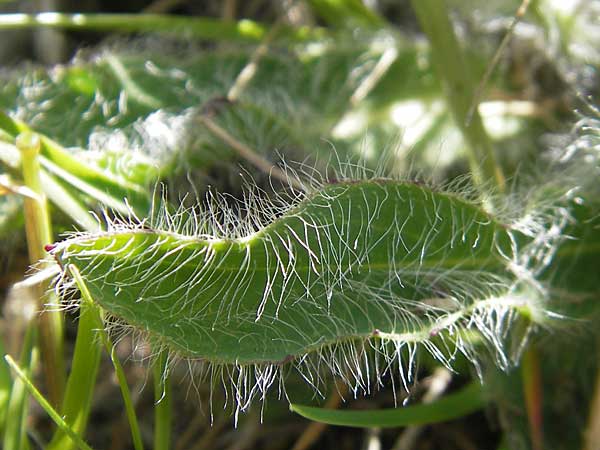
x=452 y=68
x=86 y=178
x=38 y=220
x=5 y=387
x=24 y=378
x=199 y=27
x=88 y=302
x=55 y=191
x=68 y=203
x=80 y=385
x=39 y=233
x=17 y=408
x=162 y=403
x=10 y=126
x=136 y=435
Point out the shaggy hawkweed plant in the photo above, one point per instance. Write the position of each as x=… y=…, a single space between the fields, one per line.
x=375 y=268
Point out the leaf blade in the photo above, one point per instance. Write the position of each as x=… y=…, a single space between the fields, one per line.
x=452 y=406
x=355 y=261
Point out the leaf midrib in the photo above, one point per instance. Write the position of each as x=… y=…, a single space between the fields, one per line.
x=470 y=262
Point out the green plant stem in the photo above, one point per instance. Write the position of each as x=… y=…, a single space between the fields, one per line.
x=5 y=387
x=82 y=379
x=17 y=408
x=55 y=191
x=136 y=435
x=68 y=203
x=45 y=405
x=88 y=302
x=162 y=402
x=452 y=68
x=39 y=233
x=10 y=127
x=38 y=230
x=496 y=58
x=88 y=179
x=199 y=27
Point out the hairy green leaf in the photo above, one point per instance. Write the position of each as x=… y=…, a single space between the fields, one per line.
x=118 y=88
x=381 y=261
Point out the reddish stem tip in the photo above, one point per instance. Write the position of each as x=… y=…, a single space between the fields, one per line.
x=49 y=247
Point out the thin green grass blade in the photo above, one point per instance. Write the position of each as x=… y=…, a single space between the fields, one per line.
x=136 y=435
x=452 y=67
x=89 y=180
x=110 y=349
x=54 y=190
x=79 y=392
x=38 y=231
x=199 y=27
x=68 y=203
x=58 y=420
x=5 y=387
x=18 y=406
x=452 y=406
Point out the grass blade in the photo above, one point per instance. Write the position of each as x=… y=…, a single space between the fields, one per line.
x=89 y=180
x=452 y=68
x=82 y=379
x=58 y=420
x=5 y=387
x=17 y=407
x=136 y=435
x=452 y=406
x=110 y=349
x=199 y=27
